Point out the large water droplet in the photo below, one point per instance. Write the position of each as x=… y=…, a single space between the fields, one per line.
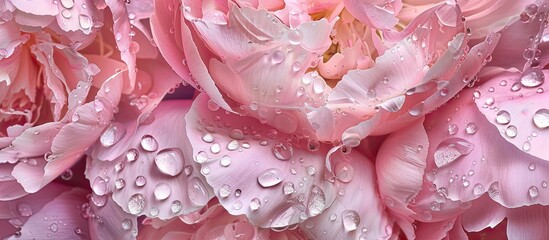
x=532 y=77
x=533 y=191
x=541 y=118
x=170 y=161
x=99 y=186
x=84 y=21
x=198 y=193
x=148 y=143
x=344 y=171
x=136 y=204
x=67 y=3
x=351 y=220
x=162 y=191
x=503 y=117
x=270 y=177
x=317 y=201
x=471 y=128
x=452 y=129
x=283 y=150
x=451 y=149
x=113 y=134
x=225 y=161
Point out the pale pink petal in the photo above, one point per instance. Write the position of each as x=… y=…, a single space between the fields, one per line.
x=522 y=223
x=10 y=38
x=43 y=7
x=256 y=170
x=514 y=49
x=518 y=106
x=377 y=13
x=156 y=166
x=109 y=221
x=357 y=211
x=400 y=165
x=472 y=158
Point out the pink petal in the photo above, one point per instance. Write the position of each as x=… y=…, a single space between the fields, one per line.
x=155 y=167
x=435 y=230
x=36 y=7
x=347 y=217
x=275 y=192
x=10 y=39
x=483 y=161
x=50 y=212
x=377 y=13
x=400 y=165
x=109 y=221
x=515 y=50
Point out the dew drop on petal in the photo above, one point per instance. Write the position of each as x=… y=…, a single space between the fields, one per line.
x=270 y=177
x=136 y=203
x=225 y=191
x=317 y=201
x=140 y=181
x=350 y=219
x=511 y=131
x=162 y=191
x=471 y=128
x=503 y=117
x=288 y=188
x=451 y=149
x=344 y=171
x=225 y=161
x=541 y=118
x=84 y=21
x=126 y=224
x=533 y=192
x=452 y=129
x=478 y=189
x=197 y=191
x=255 y=204
x=132 y=154
x=113 y=134
x=170 y=161
x=148 y=143
x=119 y=183
x=283 y=150
x=176 y=206
x=99 y=186
x=532 y=77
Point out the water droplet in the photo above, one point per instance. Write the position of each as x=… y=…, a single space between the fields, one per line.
x=233 y=145
x=541 y=118
x=119 y=183
x=66 y=13
x=333 y=217
x=67 y=175
x=113 y=134
x=452 y=129
x=136 y=204
x=544 y=184
x=288 y=188
x=317 y=201
x=277 y=57
x=526 y=146
x=85 y=21
x=67 y=3
x=208 y=138
x=516 y=87
x=503 y=117
x=201 y=157
x=170 y=161
x=478 y=189
x=283 y=150
x=533 y=191
x=140 y=181
x=344 y=171
x=162 y=191
x=255 y=204
x=351 y=220
x=318 y=85
x=471 y=128
x=54 y=227
x=451 y=149
x=188 y=170
x=132 y=154
x=212 y=105
x=99 y=186
x=126 y=224
x=311 y=170
x=532 y=77
x=215 y=148
x=270 y=177
x=532 y=166
x=225 y=161
x=148 y=143
x=176 y=206
x=511 y=131
x=237 y=134
x=225 y=191
x=466 y=183
x=198 y=193
x=24 y=210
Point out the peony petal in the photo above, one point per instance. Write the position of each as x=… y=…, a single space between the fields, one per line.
x=109 y=221
x=285 y=188
x=10 y=39
x=473 y=158
x=348 y=218
x=400 y=165
x=155 y=165
x=377 y=13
